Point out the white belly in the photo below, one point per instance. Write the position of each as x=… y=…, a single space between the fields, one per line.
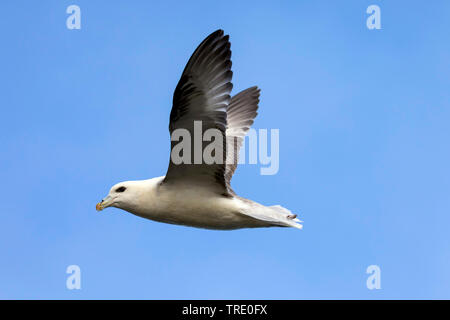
x=197 y=207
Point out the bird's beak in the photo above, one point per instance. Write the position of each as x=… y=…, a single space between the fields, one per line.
x=105 y=203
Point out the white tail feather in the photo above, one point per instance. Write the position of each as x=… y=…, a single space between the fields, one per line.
x=289 y=218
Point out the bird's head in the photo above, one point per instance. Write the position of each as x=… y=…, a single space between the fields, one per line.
x=122 y=195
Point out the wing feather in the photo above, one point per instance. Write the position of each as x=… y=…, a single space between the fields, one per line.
x=203 y=94
x=240 y=116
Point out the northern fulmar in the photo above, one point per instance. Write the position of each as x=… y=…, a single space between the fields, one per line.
x=198 y=193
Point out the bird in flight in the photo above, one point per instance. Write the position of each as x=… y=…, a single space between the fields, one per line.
x=198 y=193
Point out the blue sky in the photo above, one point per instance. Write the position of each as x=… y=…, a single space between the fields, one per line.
x=364 y=149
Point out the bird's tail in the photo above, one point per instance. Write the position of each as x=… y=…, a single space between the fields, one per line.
x=286 y=217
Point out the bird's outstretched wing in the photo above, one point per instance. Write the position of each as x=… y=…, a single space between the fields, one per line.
x=202 y=94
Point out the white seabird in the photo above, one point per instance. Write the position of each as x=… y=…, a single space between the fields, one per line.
x=200 y=195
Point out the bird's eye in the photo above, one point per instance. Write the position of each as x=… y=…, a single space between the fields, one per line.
x=121 y=189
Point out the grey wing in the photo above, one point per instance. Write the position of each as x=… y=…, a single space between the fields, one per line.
x=203 y=94
x=241 y=113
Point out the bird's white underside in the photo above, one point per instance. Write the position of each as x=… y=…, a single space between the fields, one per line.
x=198 y=206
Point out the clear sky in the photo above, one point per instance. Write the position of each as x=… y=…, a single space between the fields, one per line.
x=364 y=149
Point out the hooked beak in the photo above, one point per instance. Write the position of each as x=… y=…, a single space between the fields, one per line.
x=105 y=203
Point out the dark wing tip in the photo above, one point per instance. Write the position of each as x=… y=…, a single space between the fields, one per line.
x=208 y=45
x=218 y=31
